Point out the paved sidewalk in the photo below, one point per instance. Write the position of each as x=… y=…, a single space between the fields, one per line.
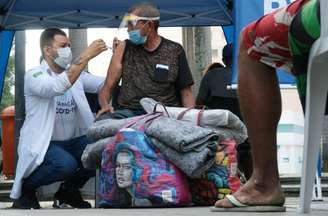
x=318 y=209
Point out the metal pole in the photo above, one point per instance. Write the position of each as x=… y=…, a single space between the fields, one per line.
x=79 y=41
x=203 y=53
x=19 y=85
x=198 y=47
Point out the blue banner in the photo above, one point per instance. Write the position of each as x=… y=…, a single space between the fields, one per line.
x=248 y=11
x=6 y=39
x=229 y=33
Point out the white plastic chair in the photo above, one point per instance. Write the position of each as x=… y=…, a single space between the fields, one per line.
x=317 y=88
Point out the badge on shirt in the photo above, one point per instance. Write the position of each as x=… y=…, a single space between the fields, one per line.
x=36 y=74
x=161 y=66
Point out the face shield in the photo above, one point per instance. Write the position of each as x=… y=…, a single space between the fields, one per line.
x=131 y=20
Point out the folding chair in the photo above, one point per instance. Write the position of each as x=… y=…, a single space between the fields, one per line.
x=317 y=87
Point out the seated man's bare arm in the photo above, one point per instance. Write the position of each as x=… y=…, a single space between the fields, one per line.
x=187 y=97
x=114 y=74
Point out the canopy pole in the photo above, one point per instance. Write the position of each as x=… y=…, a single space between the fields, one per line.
x=19 y=85
x=198 y=47
x=79 y=41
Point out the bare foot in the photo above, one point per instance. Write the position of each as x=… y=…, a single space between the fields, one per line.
x=253 y=194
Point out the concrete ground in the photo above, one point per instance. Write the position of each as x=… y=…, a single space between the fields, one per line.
x=318 y=209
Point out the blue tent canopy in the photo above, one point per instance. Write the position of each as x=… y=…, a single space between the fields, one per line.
x=32 y=14
x=21 y=14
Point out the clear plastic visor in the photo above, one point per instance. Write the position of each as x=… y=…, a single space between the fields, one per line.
x=131 y=20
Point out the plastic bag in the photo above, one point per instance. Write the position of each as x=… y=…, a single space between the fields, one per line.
x=135 y=174
x=221 y=179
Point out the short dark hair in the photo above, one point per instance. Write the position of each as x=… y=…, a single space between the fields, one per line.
x=146 y=9
x=227 y=51
x=211 y=67
x=48 y=35
x=227 y=54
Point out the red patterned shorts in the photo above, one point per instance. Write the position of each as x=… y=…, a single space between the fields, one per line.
x=266 y=39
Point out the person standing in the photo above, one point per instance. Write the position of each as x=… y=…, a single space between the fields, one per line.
x=281 y=39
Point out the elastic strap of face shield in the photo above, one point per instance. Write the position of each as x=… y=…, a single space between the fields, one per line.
x=147 y=18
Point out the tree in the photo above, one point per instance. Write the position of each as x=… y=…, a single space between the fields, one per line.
x=8 y=97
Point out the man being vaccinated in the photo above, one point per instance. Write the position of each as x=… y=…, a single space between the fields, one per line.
x=148 y=65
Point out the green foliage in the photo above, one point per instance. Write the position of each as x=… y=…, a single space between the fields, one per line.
x=8 y=98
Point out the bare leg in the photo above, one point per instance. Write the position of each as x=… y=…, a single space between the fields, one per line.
x=260 y=103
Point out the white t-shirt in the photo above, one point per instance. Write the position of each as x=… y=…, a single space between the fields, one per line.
x=64 y=128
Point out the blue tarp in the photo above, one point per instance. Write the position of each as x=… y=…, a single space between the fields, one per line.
x=247 y=11
x=6 y=38
x=22 y=14
x=229 y=33
x=36 y=14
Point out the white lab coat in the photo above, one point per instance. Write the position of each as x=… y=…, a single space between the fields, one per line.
x=41 y=88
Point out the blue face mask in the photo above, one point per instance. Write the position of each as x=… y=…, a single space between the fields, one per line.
x=136 y=38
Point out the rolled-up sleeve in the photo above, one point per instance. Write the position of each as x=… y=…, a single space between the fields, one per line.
x=92 y=83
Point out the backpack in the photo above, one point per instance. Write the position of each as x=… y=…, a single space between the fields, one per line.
x=221 y=179
x=135 y=174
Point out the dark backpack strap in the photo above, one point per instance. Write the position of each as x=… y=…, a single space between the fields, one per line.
x=199 y=115
x=180 y=116
x=143 y=119
x=159 y=103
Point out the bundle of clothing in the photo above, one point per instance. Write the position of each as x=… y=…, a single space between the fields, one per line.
x=201 y=143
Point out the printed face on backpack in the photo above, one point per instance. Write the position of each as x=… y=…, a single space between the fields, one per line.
x=124 y=170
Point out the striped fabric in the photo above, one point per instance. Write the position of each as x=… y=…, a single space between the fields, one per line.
x=266 y=39
x=304 y=30
x=283 y=38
